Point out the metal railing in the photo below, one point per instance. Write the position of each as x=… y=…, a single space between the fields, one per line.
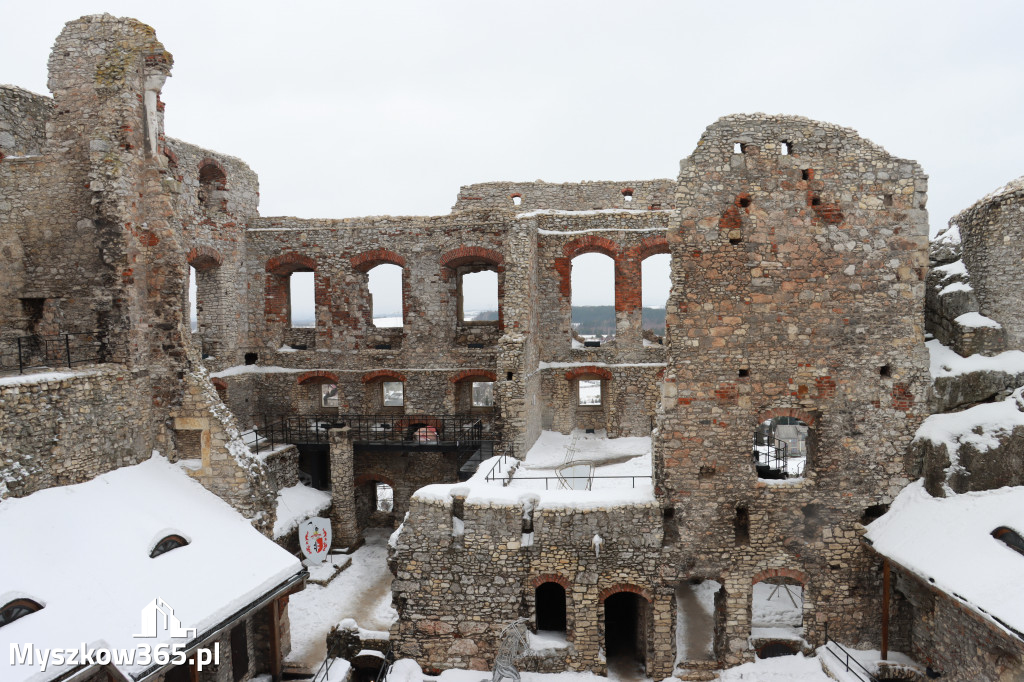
x=407 y=430
x=38 y=351
x=557 y=480
x=858 y=670
x=771 y=456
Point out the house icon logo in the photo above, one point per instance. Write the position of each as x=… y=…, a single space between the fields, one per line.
x=159 y=616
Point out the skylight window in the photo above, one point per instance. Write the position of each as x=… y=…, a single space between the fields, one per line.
x=167 y=544
x=1011 y=537
x=19 y=608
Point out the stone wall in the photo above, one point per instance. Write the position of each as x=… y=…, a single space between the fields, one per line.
x=69 y=427
x=567 y=196
x=992 y=252
x=23 y=119
x=456 y=592
x=798 y=268
x=951 y=640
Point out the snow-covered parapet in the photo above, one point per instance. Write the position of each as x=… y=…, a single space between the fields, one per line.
x=945 y=247
x=952 y=312
x=958 y=380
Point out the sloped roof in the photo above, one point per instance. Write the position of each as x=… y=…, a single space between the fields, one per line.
x=83 y=552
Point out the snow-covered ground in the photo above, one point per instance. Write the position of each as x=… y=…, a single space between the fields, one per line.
x=362 y=592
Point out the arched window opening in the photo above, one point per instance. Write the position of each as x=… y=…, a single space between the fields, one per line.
x=301 y=297
x=385 y=501
x=19 y=608
x=478 y=295
x=549 y=601
x=593 y=299
x=782 y=448
x=655 y=285
x=167 y=544
x=193 y=300
x=212 y=188
x=386 y=292
x=700 y=617
x=1010 y=537
x=626 y=620
x=777 y=609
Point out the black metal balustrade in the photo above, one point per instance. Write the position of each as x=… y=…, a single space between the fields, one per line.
x=770 y=458
x=387 y=431
x=38 y=351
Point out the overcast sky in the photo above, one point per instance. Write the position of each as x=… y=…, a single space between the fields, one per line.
x=348 y=109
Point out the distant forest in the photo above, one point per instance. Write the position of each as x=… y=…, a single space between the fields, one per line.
x=600 y=319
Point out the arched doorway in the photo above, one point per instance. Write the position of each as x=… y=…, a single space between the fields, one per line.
x=626 y=619
x=550 y=606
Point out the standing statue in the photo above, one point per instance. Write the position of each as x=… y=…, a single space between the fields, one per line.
x=513 y=646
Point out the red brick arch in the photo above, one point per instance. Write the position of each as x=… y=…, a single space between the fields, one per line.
x=373 y=478
x=383 y=375
x=769 y=573
x=368 y=260
x=219 y=384
x=212 y=170
x=479 y=374
x=469 y=255
x=588 y=371
x=539 y=580
x=624 y=587
x=318 y=376
x=287 y=263
x=809 y=418
x=650 y=247
x=204 y=258
x=590 y=244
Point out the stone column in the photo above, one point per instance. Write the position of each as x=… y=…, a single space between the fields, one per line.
x=628 y=313
x=343 y=492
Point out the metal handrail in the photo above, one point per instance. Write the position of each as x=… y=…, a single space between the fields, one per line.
x=846 y=661
x=775 y=456
x=546 y=479
x=67 y=349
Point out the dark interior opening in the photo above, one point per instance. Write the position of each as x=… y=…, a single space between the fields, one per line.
x=251 y=358
x=741 y=525
x=625 y=617
x=776 y=649
x=550 y=604
x=315 y=465
x=873 y=512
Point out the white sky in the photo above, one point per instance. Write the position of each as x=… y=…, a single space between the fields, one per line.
x=349 y=109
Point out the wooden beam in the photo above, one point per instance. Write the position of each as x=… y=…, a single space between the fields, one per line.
x=275 y=640
x=885 y=609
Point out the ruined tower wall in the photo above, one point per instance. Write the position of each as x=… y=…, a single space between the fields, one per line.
x=23 y=119
x=567 y=196
x=797 y=291
x=992 y=251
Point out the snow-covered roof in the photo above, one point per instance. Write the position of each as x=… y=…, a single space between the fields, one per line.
x=83 y=552
x=948 y=543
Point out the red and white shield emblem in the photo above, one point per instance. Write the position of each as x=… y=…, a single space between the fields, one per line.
x=315 y=538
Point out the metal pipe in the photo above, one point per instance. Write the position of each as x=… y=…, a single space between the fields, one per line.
x=885 y=609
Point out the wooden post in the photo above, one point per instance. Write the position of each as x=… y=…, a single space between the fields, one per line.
x=885 y=609
x=275 y=640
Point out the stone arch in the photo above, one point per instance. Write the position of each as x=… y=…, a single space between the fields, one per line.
x=468 y=255
x=625 y=587
x=768 y=573
x=368 y=260
x=809 y=418
x=481 y=374
x=542 y=578
x=317 y=376
x=382 y=375
x=588 y=371
x=204 y=258
x=287 y=263
x=590 y=244
x=213 y=182
x=650 y=247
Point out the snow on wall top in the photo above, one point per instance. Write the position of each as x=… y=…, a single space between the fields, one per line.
x=82 y=551
x=948 y=542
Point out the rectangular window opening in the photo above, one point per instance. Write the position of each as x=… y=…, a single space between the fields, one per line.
x=589 y=392
x=784 y=148
x=301 y=299
x=393 y=393
x=329 y=395
x=483 y=394
x=478 y=296
x=737 y=148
